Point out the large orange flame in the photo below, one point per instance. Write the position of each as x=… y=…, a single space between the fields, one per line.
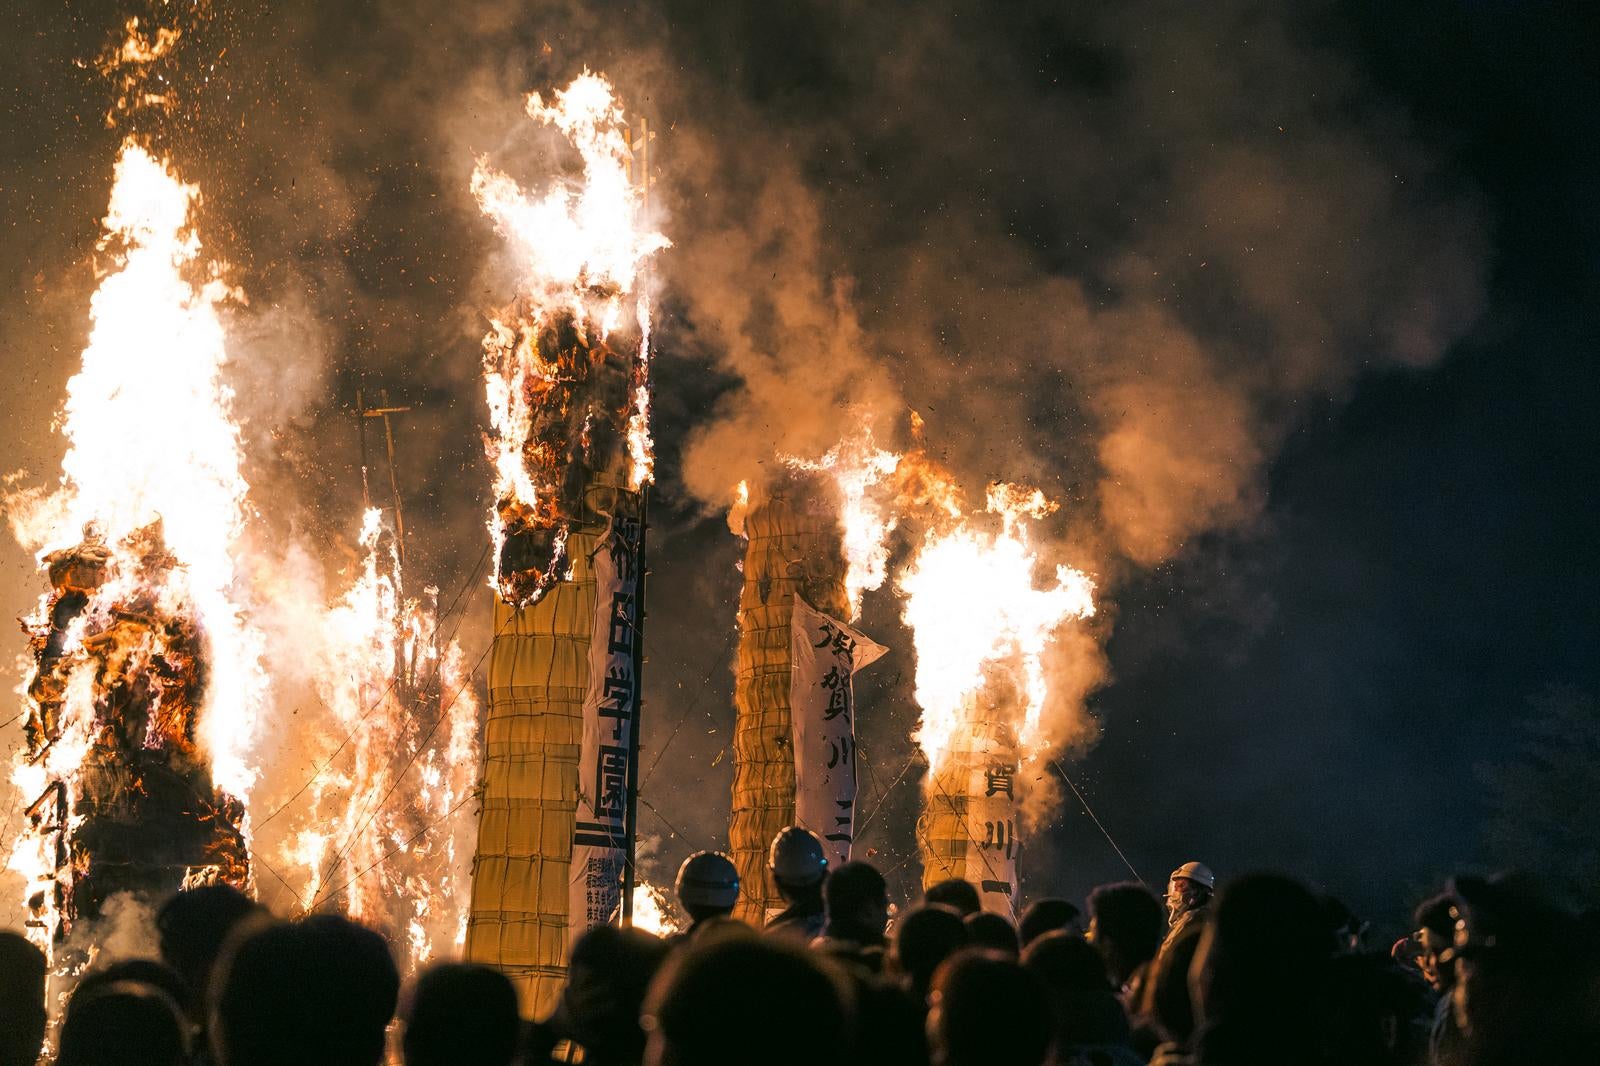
x=978 y=611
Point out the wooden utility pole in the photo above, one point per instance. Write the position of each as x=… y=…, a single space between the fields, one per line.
x=639 y=173
x=384 y=410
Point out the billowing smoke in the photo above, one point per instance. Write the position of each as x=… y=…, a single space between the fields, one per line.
x=1123 y=260
x=1112 y=254
x=127 y=930
x=758 y=288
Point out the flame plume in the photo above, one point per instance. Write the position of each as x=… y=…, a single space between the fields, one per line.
x=652 y=912
x=562 y=396
x=141 y=69
x=400 y=861
x=977 y=613
x=858 y=470
x=147 y=679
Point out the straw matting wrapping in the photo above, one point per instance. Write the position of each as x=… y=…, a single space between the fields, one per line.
x=538 y=669
x=538 y=672
x=794 y=546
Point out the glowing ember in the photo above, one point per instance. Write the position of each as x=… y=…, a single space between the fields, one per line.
x=561 y=396
x=739 y=508
x=130 y=65
x=139 y=47
x=979 y=616
x=391 y=839
x=146 y=672
x=641 y=449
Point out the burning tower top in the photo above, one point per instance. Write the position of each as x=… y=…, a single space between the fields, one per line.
x=565 y=397
x=147 y=679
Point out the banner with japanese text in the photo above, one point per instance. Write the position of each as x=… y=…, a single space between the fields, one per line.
x=825 y=654
x=610 y=704
x=992 y=818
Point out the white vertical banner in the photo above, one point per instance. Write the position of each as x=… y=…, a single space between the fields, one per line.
x=824 y=656
x=610 y=703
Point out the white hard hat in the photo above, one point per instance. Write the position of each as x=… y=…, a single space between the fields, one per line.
x=708 y=879
x=797 y=856
x=1198 y=872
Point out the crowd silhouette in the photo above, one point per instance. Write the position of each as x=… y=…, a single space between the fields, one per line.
x=1255 y=969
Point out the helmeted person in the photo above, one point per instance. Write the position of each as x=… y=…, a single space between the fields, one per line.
x=1189 y=891
x=798 y=864
x=707 y=887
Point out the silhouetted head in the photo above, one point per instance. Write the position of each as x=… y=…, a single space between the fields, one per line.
x=1369 y=1005
x=1345 y=929
x=986 y=1010
x=1069 y=963
x=890 y=1027
x=123 y=1023
x=994 y=932
x=923 y=939
x=22 y=990
x=738 y=999
x=798 y=863
x=1527 y=975
x=1046 y=916
x=1126 y=925
x=955 y=892
x=857 y=902
x=1189 y=888
x=192 y=926
x=607 y=976
x=1263 y=957
x=157 y=975
x=460 y=1014
x=1082 y=1001
x=317 y=992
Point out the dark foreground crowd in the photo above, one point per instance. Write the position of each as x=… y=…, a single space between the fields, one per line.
x=1260 y=971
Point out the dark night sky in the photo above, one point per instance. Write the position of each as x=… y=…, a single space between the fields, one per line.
x=1304 y=676
x=1316 y=700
